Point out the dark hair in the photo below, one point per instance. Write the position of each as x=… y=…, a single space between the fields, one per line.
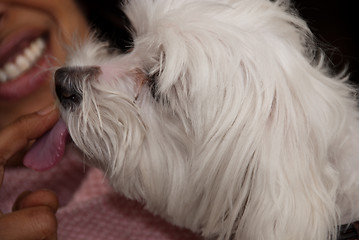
x=109 y=21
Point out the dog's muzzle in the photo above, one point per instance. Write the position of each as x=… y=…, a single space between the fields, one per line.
x=68 y=84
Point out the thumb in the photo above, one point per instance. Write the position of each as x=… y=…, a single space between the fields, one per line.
x=18 y=134
x=33 y=218
x=35 y=199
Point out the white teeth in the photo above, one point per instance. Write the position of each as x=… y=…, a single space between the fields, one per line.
x=28 y=53
x=23 y=61
x=3 y=76
x=11 y=70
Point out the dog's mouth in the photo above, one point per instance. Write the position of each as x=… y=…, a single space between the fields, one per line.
x=48 y=150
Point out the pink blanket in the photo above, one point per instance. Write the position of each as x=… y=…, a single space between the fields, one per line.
x=89 y=209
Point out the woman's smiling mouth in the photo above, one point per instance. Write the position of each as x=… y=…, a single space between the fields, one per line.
x=23 y=61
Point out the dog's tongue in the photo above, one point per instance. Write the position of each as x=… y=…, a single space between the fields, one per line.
x=48 y=150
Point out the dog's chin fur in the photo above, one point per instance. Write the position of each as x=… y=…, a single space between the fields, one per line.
x=224 y=119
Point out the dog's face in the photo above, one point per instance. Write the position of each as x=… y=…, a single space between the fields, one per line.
x=98 y=102
x=172 y=89
x=164 y=118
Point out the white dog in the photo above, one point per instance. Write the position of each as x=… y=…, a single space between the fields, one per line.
x=223 y=118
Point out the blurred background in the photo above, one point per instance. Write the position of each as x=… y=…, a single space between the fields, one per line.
x=335 y=23
x=332 y=21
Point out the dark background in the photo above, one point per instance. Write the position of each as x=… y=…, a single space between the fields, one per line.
x=334 y=22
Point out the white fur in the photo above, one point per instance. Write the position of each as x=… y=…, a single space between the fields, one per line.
x=251 y=136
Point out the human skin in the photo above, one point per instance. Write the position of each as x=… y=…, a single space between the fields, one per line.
x=27 y=89
x=33 y=215
x=58 y=23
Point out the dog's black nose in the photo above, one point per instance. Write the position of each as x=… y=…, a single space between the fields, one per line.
x=67 y=92
x=68 y=84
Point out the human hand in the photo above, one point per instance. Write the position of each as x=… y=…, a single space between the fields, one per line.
x=33 y=215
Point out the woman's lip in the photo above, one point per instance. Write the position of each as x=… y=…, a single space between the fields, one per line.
x=32 y=79
x=16 y=42
x=28 y=82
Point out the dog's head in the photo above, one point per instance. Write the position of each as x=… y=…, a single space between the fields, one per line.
x=200 y=95
x=192 y=73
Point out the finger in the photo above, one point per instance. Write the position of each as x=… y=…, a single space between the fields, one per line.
x=1 y=176
x=18 y=134
x=38 y=198
x=35 y=223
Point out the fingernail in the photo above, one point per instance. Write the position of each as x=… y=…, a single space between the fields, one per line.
x=47 y=110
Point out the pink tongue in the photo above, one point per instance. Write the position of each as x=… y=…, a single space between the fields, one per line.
x=48 y=150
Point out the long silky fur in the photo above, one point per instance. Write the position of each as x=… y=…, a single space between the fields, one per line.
x=250 y=135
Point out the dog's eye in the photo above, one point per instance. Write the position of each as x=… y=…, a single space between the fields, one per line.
x=152 y=83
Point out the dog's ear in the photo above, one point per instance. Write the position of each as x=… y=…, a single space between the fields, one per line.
x=290 y=133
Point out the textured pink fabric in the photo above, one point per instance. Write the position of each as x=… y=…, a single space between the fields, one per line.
x=89 y=209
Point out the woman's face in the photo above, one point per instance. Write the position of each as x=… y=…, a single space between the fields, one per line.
x=33 y=34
